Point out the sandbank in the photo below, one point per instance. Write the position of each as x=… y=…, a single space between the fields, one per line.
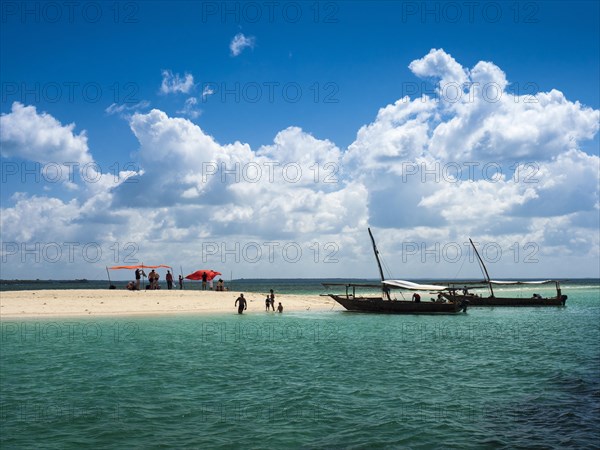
x=96 y=302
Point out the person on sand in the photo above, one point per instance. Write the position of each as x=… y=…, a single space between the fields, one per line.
x=242 y=304
x=204 y=280
x=138 y=277
x=272 y=299
x=267 y=302
x=280 y=308
x=130 y=286
x=169 y=278
x=180 y=282
x=151 y=278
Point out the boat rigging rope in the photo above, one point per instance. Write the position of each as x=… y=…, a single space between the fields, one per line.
x=461 y=266
x=385 y=267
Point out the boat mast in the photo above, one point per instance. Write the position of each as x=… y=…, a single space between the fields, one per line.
x=378 y=263
x=485 y=272
x=376 y=255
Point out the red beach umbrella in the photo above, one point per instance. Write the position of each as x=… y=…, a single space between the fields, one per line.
x=197 y=275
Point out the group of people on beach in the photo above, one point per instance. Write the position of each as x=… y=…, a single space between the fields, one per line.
x=153 y=278
x=242 y=304
x=206 y=281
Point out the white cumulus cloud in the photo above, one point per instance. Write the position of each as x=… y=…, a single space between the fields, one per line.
x=190 y=108
x=175 y=83
x=40 y=137
x=241 y=42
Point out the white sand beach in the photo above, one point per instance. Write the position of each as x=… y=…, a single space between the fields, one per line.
x=95 y=302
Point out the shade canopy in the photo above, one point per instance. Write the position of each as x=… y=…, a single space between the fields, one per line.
x=414 y=286
x=141 y=266
x=197 y=275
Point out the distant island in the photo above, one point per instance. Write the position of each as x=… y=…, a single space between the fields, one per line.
x=81 y=280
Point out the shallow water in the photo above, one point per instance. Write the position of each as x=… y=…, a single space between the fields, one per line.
x=491 y=378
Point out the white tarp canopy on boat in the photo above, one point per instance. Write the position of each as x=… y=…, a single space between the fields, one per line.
x=414 y=286
x=522 y=282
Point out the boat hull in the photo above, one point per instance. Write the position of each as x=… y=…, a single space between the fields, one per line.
x=379 y=305
x=508 y=301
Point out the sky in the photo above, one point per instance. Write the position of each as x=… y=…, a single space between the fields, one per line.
x=262 y=139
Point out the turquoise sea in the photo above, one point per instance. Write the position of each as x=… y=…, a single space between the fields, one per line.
x=490 y=378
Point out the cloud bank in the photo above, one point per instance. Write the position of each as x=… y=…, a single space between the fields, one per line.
x=427 y=171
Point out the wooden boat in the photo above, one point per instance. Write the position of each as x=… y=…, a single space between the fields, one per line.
x=457 y=294
x=380 y=304
x=385 y=304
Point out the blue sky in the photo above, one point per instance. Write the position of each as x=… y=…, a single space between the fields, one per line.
x=316 y=86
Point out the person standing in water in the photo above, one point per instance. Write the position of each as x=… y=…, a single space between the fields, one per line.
x=280 y=308
x=242 y=304
x=272 y=299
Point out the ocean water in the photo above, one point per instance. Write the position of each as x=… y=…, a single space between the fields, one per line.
x=281 y=285
x=308 y=286
x=490 y=378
